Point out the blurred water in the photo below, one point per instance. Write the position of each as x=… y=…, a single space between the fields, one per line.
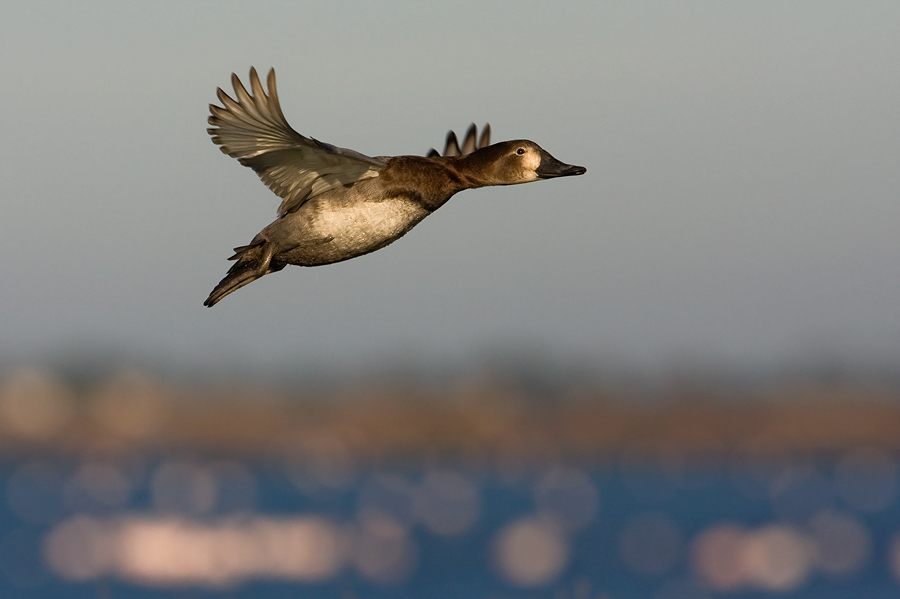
x=191 y=527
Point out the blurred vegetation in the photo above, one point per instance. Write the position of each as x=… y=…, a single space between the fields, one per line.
x=522 y=408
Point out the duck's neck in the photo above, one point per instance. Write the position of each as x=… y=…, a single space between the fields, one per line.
x=471 y=170
x=431 y=181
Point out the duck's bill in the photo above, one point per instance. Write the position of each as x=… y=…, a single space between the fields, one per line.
x=551 y=167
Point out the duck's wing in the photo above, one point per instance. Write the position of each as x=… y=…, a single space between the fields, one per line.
x=253 y=129
x=452 y=148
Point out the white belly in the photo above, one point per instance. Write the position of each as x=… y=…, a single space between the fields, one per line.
x=362 y=226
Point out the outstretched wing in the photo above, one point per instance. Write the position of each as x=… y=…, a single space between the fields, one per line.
x=451 y=148
x=253 y=129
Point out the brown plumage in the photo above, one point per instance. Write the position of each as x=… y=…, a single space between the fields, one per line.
x=337 y=203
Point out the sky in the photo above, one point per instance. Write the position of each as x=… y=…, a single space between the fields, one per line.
x=741 y=203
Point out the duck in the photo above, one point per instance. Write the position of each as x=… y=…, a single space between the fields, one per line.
x=338 y=204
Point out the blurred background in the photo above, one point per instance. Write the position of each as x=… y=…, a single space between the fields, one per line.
x=676 y=377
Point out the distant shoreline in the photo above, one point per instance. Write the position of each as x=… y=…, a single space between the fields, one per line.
x=132 y=413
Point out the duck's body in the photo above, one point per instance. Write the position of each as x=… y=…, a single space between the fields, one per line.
x=335 y=229
x=339 y=204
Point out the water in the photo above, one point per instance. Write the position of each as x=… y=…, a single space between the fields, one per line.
x=176 y=527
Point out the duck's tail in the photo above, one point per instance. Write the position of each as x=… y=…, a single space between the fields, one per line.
x=252 y=262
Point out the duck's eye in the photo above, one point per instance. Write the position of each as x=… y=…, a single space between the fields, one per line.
x=520 y=151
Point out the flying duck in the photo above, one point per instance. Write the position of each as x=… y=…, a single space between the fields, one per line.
x=338 y=204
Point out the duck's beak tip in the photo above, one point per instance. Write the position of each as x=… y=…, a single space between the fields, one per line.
x=550 y=167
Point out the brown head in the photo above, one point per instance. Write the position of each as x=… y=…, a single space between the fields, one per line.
x=513 y=162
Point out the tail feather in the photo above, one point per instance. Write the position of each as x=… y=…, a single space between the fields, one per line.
x=250 y=266
x=238 y=276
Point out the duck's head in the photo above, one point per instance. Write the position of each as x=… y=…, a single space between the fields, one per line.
x=517 y=161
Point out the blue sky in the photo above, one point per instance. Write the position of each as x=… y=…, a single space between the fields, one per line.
x=741 y=204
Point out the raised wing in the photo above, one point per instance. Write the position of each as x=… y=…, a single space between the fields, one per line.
x=253 y=129
x=451 y=148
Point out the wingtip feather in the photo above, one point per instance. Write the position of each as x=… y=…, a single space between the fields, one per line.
x=469 y=143
x=256 y=86
x=452 y=146
x=485 y=140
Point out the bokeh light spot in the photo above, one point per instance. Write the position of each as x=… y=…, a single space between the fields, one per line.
x=447 y=502
x=34 y=404
x=843 y=544
x=568 y=495
x=530 y=552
